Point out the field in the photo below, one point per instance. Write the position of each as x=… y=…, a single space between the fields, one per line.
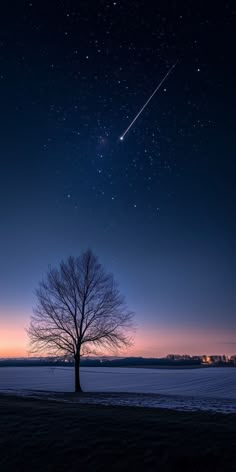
x=42 y=435
x=45 y=427
x=211 y=389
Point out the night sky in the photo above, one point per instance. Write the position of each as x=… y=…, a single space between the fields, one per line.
x=158 y=207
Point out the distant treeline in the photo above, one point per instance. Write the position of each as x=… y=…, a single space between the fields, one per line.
x=138 y=361
x=119 y=362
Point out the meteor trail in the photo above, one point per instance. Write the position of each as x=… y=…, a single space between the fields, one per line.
x=145 y=104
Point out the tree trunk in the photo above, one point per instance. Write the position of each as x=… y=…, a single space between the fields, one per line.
x=78 y=388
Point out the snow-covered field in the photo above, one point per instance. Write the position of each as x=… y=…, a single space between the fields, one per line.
x=209 y=389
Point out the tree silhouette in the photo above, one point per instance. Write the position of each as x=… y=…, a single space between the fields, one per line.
x=79 y=309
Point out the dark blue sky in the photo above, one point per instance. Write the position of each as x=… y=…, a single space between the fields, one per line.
x=158 y=208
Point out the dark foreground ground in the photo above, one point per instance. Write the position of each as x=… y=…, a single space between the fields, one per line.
x=42 y=435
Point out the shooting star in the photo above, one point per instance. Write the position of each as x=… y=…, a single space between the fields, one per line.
x=145 y=104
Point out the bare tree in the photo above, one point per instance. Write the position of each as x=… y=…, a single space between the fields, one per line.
x=79 y=308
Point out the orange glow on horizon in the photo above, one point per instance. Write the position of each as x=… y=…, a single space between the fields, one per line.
x=13 y=337
x=13 y=342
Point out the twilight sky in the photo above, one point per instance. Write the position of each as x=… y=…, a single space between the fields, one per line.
x=158 y=207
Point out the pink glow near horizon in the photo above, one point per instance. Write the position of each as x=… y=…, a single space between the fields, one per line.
x=193 y=341
x=148 y=342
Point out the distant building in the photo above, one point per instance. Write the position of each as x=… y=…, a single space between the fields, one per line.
x=206 y=359
x=233 y=359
